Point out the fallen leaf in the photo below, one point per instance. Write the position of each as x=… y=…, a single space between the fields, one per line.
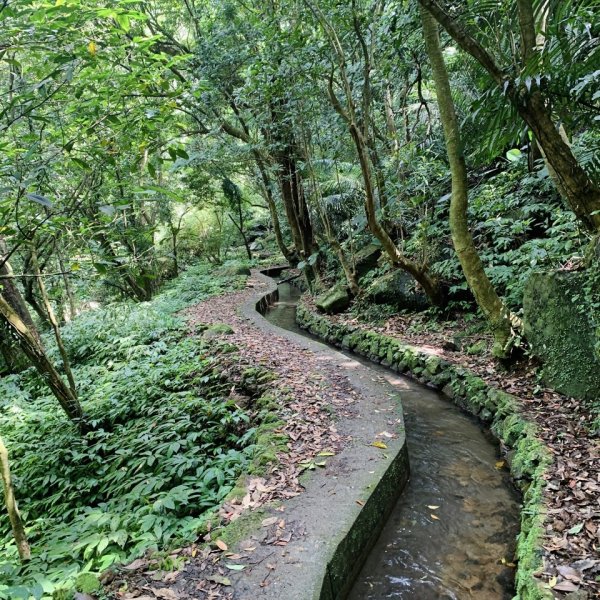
x=500 y=464
x=569 y=573
x=236 y=567
x=575 y=529
x=219 y=579
x=221 y=545
x=270 y=521
x=166 y=593
x=386 y=434
x=432 y=506
x=434 y=517
x=139 y=563
x=566 y=586
x=326 y=453
x=379 y=444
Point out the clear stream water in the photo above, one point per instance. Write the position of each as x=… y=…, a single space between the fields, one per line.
x=460 y=549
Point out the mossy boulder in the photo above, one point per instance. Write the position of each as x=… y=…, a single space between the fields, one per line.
x=334 y=301
x=561 y=330
x=397 y=289
x=217 y=330
x=365 y=259
x=233 y=269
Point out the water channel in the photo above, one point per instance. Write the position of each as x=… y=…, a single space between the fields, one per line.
x=452 y=532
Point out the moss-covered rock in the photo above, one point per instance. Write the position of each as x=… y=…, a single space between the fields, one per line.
x=397 y=289
x=365 y=259
x=562 y=333
x=233 y=269
x=217 y=330
x=334 y=301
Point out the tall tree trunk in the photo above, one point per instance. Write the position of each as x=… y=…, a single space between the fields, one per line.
x=174 y=233
x=578 y=189
x=32 y=348
x=54 y=324
x=67 y=284
x=291 y=257
x=16 y=523
x=491 y=305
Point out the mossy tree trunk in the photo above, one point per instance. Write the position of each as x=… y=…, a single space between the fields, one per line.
x=578 y=189
x=494 y=310
x=10 y=502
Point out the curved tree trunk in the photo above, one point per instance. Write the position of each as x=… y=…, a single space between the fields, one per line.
x=11 y=506
x=491 y=305
x=54 y=323
x=430 y=286
x=36 y=354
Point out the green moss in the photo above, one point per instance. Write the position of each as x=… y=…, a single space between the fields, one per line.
x=269 y=443
x=242 y=528
x=87 y=583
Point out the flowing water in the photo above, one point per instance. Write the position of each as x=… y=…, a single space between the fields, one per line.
x=451 y=534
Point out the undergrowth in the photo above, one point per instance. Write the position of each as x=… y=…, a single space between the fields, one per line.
x=166 y=448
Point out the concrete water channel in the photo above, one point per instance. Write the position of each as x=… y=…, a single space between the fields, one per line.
x=452 y=532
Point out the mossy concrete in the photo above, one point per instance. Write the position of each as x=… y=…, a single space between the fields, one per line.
x=562 y=332
x=529 y=458
x=338 y=517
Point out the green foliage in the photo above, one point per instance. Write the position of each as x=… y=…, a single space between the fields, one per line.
x=166 y=447
x=519 y=226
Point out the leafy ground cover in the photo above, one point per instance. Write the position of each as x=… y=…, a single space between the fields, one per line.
x=167 y=444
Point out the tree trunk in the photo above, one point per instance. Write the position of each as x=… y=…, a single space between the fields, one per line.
x=38 y=358
x=579 y=191
x=54 y=324
x=68 y=286
x=430 y=286
x=291 y=257
x=571 y=180
x=11 y=292
x=174 y=233
x=11 y=506
x=491 y=305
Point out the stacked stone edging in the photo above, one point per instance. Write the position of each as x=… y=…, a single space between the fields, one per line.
x=528 y=457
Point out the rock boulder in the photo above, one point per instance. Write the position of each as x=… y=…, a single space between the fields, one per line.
x=564 y=333
x=334 y=301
